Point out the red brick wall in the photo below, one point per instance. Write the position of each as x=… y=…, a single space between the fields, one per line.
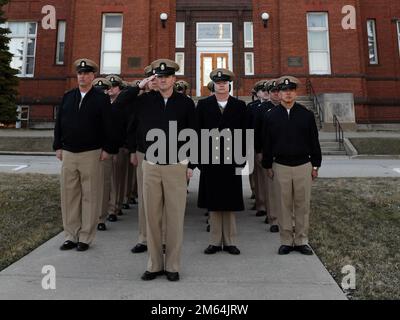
x=376 y=88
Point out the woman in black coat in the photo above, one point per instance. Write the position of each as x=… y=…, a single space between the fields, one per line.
x=220 y=189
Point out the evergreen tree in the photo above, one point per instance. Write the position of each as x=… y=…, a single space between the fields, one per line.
x=8 y=79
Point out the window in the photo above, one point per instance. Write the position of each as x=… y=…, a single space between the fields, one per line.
x=248 y=35
x=180 y=60
x=372 y=46
x=111 y=46
x=398 y=33
x=210 y=31
x=60 y=42
x=318 y=43
x=249 y=63
x=180 y=35
x=22 y=45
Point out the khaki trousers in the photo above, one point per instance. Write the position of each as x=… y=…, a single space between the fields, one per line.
x=252 y=183
x=164 y=191
x=222 y=228
x=141 y=211
x=81 y=186
x=130 y=183
x=119 y=171
x=261 y=186
x=273 y=197
x=106 y=177
x=294 y=188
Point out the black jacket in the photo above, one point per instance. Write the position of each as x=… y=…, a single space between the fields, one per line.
x=220 y=187
x=290 y=140
x=85 y=128
x=259 y=115
x=123 y=107
x=150 y=112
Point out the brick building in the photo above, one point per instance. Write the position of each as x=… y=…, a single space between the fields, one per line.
x=304 y=38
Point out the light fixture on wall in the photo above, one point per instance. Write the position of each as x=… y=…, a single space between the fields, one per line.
x=163 y=18
x=265 y=18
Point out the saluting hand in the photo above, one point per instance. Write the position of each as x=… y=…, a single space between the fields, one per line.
x=143 y=83
x=59 y=154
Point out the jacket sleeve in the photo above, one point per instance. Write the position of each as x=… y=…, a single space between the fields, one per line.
x=258 y=124
x=111 y=138
x=128 y=95
x=199 y=126
x=192 y=124
x=244 y=127
x=57 y=129
x=133 y=124
x=316 y=154
x=267 y=156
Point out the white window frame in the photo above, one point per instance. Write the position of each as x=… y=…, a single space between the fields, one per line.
x=198 y=25
x=26 y=37
x=248 y=43
x=180 y=43
x=327 y=51
x=246 y=71
x=371 y=61
x=181 y=71
x=398 y=33
x=111 y=30
x=60 y=38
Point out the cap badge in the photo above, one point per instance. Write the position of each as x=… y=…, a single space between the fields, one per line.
x=112 y=79
x=100 y=83
x=162 y=66
x=83 y=63
x=287 y=81
x=219 y=74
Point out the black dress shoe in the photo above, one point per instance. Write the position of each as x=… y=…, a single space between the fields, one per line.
x=261 y=213
x=285 y=250
x=172 y=276
x=274 y=229
x=112 y=218
x=139 y=248
x=125 y=206
x=101 y=227
x=304 y=250
x=266 y=221
x=151 y=275
x=212 y=249
x=68 y=245
x=82 y=246
x=232 y=250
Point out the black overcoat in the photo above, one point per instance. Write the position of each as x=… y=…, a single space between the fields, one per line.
x=220 y=187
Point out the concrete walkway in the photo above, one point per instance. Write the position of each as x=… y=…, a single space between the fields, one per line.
x=109 y=271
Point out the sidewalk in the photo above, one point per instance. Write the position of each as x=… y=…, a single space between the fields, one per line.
x=109 y=271
x=361 y=134
x=26 y=133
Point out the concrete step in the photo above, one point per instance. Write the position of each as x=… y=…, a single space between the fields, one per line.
x=334 y=153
